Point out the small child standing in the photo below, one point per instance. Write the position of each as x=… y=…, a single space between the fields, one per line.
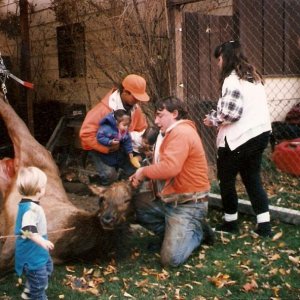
x=32 y=245
x=114 y=130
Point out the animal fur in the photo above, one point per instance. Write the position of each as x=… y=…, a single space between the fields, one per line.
x=88 y=239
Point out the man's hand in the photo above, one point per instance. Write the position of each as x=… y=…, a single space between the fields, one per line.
x=137 y=178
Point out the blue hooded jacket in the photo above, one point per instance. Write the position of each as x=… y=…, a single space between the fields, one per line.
x=106 y=133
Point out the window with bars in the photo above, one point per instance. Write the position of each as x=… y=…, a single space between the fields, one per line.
x=71 y=50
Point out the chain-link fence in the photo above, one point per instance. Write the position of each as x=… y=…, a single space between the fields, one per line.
x=269 y=32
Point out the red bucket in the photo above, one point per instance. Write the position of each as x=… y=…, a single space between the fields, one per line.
x=286 y=156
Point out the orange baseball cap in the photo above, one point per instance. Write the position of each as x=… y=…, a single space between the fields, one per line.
x=136 y=85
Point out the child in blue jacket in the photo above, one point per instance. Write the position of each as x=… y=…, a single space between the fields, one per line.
x=113 y=129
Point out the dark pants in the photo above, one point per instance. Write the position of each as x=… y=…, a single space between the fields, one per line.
x=245 y=160
x=109 y=174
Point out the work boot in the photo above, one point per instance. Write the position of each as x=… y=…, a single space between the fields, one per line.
x=230 y=227
x=264 y=229
x=208 y=234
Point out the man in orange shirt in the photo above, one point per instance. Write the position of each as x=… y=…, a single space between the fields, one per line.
x=127 y=96
x=180 y=171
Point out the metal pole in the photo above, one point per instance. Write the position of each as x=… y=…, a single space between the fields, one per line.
x=25 y=64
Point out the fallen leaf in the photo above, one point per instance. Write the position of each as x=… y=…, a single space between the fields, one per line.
x=135 y=254
x=197 y=282
x=128 y=295
x=99 y=280
x=188 y=266
x=115 y=278
x=221 y=280
x=93 y=291
x=201 y=255
x=97 y=273
x=294 y=260
x=87 y=271
x=110 y=269
x=288 y=285
x=273 y=271
x=276 y=291
x=177 y=295
x=163 y=275
x=275 y=257
x=218 y=263
x=277 y=236
x=249 y=286
x=70 y=269
x=142 y=283
x=243 y=236
x=91 y=284
x=189 y=286
x=282 y=271
x=224 y=239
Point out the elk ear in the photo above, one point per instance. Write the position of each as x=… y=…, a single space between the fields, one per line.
x=96 y=189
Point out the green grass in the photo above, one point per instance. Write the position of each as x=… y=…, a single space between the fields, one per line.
x=238 y=260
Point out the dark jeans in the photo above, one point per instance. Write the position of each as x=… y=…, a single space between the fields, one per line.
x=109 y=174
x=38 y=280
x=245 y=160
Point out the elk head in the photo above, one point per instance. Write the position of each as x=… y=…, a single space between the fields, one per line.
x=114 y=203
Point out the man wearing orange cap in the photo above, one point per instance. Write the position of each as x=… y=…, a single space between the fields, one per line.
x=131 y=91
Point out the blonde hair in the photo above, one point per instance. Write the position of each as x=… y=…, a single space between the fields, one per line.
x=30 y=181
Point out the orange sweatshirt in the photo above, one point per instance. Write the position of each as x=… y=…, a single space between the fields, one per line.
x=90 y=124
x=182 y=161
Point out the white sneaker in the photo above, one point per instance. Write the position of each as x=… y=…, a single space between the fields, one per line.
x=26 y=294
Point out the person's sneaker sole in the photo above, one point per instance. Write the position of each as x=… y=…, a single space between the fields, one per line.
x=25 y=296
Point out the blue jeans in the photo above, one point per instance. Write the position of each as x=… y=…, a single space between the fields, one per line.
x=245 y=160
x=38 y=280
x=178 y=224
x=109 y=174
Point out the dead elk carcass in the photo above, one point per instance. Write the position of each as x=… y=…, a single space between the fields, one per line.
x=87 y=238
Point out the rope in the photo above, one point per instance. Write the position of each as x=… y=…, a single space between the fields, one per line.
x=50 y=232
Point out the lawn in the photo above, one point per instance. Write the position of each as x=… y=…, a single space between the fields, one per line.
x=236 y=267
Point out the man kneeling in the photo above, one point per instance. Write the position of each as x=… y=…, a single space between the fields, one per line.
x=179 y=170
